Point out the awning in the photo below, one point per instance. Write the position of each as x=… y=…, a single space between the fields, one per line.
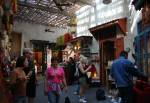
x=87 y=39
x=120 y=24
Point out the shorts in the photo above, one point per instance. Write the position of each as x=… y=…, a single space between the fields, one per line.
x=82 y=80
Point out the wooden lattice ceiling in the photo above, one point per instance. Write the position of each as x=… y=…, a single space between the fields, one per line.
x=47 y=12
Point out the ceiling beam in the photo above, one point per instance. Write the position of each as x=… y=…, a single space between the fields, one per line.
x=87 y=2
x=43 y=8
x=30 y=21
x=29 y=5
x=57 y=4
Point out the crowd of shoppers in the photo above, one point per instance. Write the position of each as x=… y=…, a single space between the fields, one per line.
x=20 y=77
x=23 y=77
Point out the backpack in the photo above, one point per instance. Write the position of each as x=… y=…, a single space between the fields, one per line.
x=100 y=94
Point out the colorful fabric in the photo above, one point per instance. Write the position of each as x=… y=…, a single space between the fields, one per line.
x=54 y=77
x=54 y=86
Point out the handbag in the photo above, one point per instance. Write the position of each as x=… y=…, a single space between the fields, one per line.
x=67 y=100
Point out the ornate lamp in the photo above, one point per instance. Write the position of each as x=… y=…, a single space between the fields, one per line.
x=107 y=1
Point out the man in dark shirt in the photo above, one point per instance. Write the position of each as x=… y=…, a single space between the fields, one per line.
x=122 y=71
x=30 y=72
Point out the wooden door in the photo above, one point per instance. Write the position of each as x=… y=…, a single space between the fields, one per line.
x=107 y=53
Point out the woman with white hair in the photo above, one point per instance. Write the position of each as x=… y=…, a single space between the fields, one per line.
x=83 y=79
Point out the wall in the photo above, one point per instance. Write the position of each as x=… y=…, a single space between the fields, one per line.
x=36 y=32
x=88 y=17
x=133 y=18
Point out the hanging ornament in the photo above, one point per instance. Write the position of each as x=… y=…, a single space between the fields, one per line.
x=107 y=1
x=14 y=5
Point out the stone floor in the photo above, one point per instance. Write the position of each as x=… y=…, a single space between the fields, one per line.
x=90 y=94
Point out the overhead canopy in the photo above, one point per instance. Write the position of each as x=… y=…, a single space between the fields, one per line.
x=49 y=12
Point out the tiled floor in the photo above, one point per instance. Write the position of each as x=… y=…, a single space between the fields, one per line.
x=90 y=94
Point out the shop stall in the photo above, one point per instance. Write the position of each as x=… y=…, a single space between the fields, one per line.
x=7 y=10
x=110 y=37
x=142 y=52
x=40 y=53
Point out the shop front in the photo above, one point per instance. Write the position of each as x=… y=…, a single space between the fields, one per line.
x=142 y=54
x=111 y=42
x=40 y=53
x=74 y=48
x=80 y=44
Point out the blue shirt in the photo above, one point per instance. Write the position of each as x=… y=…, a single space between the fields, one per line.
x=121 y=71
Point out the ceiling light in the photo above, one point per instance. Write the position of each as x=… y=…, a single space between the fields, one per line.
x=107 y=1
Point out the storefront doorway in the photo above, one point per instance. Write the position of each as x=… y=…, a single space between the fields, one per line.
x=111 y=42
x=109 y=50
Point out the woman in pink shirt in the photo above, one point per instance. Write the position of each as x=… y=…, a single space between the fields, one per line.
x=55 y=77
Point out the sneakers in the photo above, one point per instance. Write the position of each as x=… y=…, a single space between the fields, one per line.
x=82 y=100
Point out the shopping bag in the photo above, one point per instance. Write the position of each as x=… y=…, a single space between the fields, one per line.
x=67 y=100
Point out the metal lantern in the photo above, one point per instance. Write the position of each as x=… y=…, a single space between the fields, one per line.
x=107 y=1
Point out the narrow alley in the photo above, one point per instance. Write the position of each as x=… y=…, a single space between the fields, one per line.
x=96 y=50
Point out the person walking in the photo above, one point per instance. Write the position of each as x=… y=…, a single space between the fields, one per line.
x=122 y=71
x=30 y=71
x=18 y=81
x=54 y=81
x=83 y=78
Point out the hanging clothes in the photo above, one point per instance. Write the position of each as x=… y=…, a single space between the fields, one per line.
x=14 y=5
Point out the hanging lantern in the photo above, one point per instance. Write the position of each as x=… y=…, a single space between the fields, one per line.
x=107 y=1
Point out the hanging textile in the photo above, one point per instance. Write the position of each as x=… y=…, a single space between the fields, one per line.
x=7 y=5
x=14 y=5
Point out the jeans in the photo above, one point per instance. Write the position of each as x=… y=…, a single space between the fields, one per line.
x=126 y=94
x=78 y=88
x=53 y=97
x=20 y=99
